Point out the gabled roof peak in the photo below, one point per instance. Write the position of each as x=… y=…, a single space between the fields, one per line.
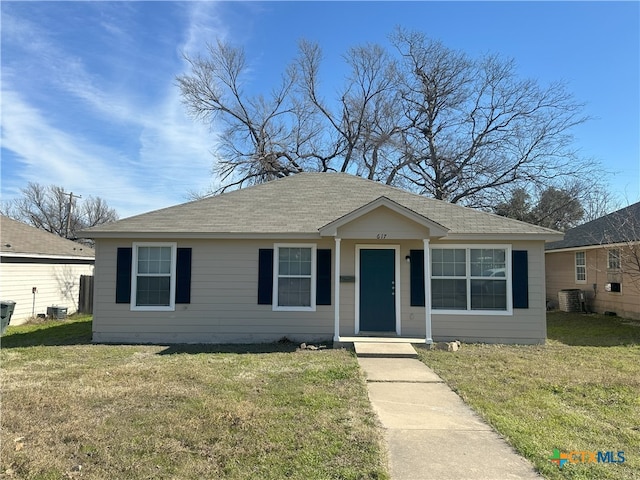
x=436 y=230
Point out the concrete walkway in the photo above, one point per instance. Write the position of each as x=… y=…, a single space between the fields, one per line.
x=430 y=432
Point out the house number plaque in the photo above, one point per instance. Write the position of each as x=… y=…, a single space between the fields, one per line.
x=381 y=236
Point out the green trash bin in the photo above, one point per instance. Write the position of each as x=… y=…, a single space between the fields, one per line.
x=6 y=310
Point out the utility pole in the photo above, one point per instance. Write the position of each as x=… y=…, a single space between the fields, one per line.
x=69 y=210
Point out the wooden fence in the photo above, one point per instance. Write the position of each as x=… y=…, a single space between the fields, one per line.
x=85 y=300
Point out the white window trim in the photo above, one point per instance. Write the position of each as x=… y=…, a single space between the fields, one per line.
x=134 y=278
x=276 y=267
x=508 y=278
x=575 y=267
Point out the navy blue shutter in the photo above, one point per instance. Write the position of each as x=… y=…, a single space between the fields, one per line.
x=417 y=277
x=265 y=276
x=123 y=275
x=323 y=277
x=183 y=275
x=520 y=278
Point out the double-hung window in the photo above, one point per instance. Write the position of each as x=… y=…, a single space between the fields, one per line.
x=294 y=277
x=581 y=267
x=470 y=279
x=488 y=279
x=153 y=276
x=613 y=259
x=449 y=279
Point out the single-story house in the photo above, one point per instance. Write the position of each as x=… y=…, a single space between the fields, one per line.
x=39 y=270
x=600 y=258
x=319 y=256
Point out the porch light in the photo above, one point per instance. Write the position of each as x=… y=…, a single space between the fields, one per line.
x=408 y=258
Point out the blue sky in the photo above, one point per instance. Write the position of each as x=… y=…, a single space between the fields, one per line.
x=90 y=102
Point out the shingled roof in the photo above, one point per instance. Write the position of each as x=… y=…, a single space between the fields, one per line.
x=620 y=226
x=301 y=205
x=22 y=240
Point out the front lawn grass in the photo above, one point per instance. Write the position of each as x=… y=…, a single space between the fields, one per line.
x=579 y=392
x=75 y=410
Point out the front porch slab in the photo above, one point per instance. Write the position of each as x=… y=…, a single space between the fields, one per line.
x=380 y=339
x=385 y=349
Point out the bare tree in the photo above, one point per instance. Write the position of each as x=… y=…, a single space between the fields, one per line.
x=596 y=199
x=95 y=211
x=51 y=209
x=262 y=137
x=630 y=252
x=475 y=128
x=360 y=131
x=421 y=116
x=295 y=128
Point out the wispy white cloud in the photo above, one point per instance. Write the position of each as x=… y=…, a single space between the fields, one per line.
x=49 y=156
x=173 y=154
x=205 y=26
x=173 y=157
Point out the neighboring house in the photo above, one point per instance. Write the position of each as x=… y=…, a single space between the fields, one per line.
x=319 y=256
x=601 y=258
x=30 y=259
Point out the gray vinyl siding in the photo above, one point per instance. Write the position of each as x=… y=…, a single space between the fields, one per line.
x=347 y=289
x=223 y=308
x=525 y=326
x=397 y=230
x=413 y=323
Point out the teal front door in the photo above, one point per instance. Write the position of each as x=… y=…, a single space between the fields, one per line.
x=377 y=290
